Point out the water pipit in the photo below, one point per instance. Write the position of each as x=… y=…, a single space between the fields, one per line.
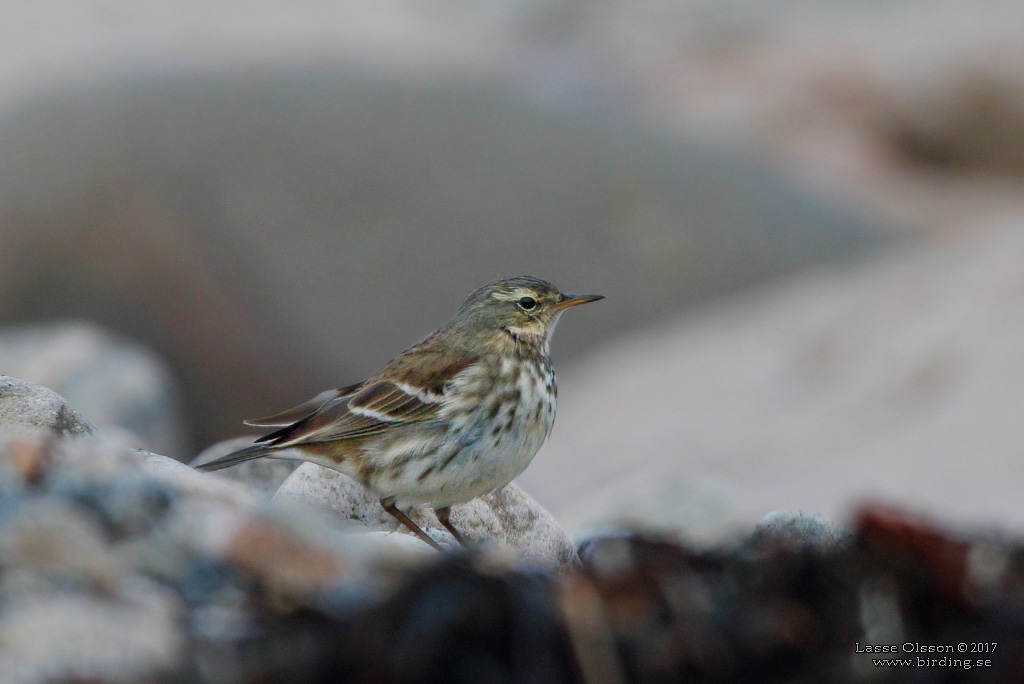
x=458 y=415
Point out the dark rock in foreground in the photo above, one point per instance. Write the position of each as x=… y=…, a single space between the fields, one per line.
x=648 y=609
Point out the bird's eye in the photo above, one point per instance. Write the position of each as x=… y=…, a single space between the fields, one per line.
x=527 y=303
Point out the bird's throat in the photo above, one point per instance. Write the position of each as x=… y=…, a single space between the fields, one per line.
x=526 y=341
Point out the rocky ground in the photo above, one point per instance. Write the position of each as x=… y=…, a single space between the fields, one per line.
x=120 y=565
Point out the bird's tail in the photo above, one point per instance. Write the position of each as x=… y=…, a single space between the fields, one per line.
x=241 y=456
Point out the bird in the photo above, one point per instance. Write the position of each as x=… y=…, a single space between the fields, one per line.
x=457 y=415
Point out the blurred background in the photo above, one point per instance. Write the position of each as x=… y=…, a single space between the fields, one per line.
x=807 y=219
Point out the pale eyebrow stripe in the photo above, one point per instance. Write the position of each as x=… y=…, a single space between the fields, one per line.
x=512 y=296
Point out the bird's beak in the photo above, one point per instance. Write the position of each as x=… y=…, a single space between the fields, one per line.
x=572 y=300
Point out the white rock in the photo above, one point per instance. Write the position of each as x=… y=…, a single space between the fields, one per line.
x=25 y=405
x=508 y=517
x=191 y=483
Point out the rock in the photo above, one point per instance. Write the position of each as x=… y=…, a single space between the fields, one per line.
x=74 y=606
x=264 y=475
x=118 y=562
x=527 y=527
x=508 y=517
x=724 y=613
x=464 y=618
x=64 y=636
x=194 y=484
x=293 y=549
x=123 y=566
x=796 y=530
x=24 y=405
x=54 y=539
x=115 y=382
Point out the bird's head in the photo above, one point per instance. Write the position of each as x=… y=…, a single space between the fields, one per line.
x=522 y=307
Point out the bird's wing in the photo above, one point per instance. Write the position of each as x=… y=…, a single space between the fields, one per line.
x=411 y=388
x=304 y=409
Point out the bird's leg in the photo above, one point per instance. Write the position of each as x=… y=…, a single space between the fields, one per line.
x=388 y=503
x=442 y=517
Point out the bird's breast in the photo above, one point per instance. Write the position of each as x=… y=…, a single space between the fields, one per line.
x=499 y=416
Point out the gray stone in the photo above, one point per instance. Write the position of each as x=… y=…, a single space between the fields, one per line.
x=508 y=517
x=74 y=605
x=218 y=517
x=54 y=538
x=118 y=562
x=796 y=530
x=115 y=382
x=64 y=636
x=192 y=484
x=25 y=405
